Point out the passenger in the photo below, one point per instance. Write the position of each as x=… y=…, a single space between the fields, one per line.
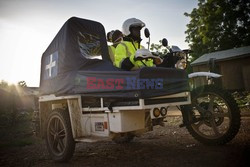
x=115 y=37
x=125 y=51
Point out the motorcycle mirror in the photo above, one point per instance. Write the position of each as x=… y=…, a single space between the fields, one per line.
x=146 y=33
x=164 y=42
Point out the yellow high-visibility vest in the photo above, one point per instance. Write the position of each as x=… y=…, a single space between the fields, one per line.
x=127 y=49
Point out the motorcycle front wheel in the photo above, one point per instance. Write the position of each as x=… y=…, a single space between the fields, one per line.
x=213 y=118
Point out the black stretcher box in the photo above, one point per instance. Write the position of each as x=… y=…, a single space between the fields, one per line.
x=77 y=62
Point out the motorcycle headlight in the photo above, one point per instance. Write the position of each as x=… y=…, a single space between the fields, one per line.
x=181 y=64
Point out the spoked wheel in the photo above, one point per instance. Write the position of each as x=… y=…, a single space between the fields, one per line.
x=59 y=140
x=216 y=109
x=213 y=117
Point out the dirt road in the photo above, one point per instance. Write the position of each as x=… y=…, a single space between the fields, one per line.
x=166 y=146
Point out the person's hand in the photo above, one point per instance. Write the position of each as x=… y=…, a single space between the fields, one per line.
x=157 y=61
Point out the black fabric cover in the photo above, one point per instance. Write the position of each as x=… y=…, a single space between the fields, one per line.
x=70 y=63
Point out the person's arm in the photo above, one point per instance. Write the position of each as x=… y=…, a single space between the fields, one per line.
x=111 y=53
x=121 y=59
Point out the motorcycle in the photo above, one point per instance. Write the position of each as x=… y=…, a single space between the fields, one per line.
x=213 y=118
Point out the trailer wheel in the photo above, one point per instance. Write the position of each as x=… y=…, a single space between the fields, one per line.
x=213 y=118
x=123 y=138
x=59 y=139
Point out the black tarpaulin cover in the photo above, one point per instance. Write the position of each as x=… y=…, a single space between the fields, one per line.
x=77 y=62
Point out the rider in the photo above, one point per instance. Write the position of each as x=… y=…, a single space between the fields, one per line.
x=126 y=50
x=115 y=37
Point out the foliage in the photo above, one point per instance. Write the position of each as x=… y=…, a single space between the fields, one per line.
x=3 y=84
x=22 y=84
x=242 y=99
x=218 y=25
x=19 y=134
x=158 y=48
x=9 y=99
x=15 y=125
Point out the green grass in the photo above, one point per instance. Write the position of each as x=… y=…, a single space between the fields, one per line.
x=17 y=135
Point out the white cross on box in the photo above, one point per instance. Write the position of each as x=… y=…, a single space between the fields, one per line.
x=51 y=65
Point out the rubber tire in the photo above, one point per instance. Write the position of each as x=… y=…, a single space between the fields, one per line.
x=124 y=138
x=70 y=143
x=235 y=122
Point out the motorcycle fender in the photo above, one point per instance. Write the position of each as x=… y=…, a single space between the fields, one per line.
x=204 y=74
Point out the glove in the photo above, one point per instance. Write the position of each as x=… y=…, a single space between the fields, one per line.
x=157 y=61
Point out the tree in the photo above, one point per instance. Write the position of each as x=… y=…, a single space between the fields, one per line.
x=4 y=84
x=158 y=48
x=22 y=84
x=218 y=25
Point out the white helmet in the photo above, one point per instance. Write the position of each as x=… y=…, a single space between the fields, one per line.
x=131 y=22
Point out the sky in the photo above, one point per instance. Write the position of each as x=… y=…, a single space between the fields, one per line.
x=28 y=26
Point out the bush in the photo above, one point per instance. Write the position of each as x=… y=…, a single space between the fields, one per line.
x=242 y=99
